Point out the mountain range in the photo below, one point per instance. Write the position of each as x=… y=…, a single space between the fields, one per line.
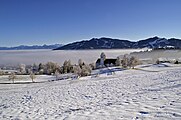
x=24 y=47
x=110 y=43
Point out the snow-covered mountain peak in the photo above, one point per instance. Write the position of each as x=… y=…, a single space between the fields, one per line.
x=109 y=43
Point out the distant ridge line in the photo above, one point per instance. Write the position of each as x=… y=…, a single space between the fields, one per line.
x=110 y=43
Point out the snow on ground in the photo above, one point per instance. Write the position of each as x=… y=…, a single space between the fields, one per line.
x=26 y=79
x=157 y=67
x=127 y=95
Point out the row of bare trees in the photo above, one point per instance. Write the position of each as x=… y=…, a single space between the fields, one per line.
x=126 y=61
x=13 y=76
x=51 y=67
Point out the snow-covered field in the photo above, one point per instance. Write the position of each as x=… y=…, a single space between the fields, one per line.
x=151 y=92
x=15 y=57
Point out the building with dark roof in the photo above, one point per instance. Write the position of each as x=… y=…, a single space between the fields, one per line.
x=107 y=62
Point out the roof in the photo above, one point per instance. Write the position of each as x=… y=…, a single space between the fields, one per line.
x=107 y=61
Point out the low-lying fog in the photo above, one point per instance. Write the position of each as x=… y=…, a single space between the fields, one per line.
x=15 y=57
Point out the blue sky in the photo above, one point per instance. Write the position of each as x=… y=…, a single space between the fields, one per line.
x=63 y=21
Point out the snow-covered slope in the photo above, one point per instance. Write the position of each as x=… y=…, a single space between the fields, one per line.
x=127 y=94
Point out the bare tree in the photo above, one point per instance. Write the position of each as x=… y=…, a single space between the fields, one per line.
x=102 y=59
x=57 y=74
x=133 y=62
x=80 y=63
x=51 y=67
x=32 y=76
x=118 y=61
x=67 y=67
x=1 y=72
x=41 y=68
x=92 y=65
x=22 y=68
x=70 y=67
x=86 y=70
x=103 y=55
x=125 y=61
x=12 y=77
x=157 y=61
x=77 y=70
x=35 y=68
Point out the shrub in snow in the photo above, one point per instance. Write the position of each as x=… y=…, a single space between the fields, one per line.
x=133 y=61
x=77 y=70
x=57 y=73
x=80 y=63
x=103 y=55
x=51 y=67
x=118 y=61
x=1 y=73
x=157 y=61
x=32 y=76
x=86 y=70
x=41 y=68
x=12 y=77
x=93 y=66
x=102 y=59
x=130 y=62
x=34 y=68
x=67 y=67
x=125 y=61
x=22 y=68
x=28 y=70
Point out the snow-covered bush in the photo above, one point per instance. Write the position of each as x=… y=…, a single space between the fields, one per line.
x=93 y=66
x=86 y=70
x=102 y=59
x=130 y=62
x=118 y=61
x=125 y=61
x=12 y=76
x=34 y=68
x=77 y=70
x=32 y=76
x=133 y=61
x=80 y=63
x=67 y=67
x=82 y=69
x=157 y=61
x=51 y=67
x=41 y=68
x=1 y=73
x=57 y=73
x=22 y=68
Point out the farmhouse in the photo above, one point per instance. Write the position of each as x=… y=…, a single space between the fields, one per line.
x=106 y=63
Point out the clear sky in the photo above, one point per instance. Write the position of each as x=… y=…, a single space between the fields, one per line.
x=31 y=22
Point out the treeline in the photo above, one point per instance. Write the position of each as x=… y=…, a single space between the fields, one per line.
x=51 y=68
x=127 y=62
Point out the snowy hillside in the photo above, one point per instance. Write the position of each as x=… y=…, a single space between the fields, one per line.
x=150 y=92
